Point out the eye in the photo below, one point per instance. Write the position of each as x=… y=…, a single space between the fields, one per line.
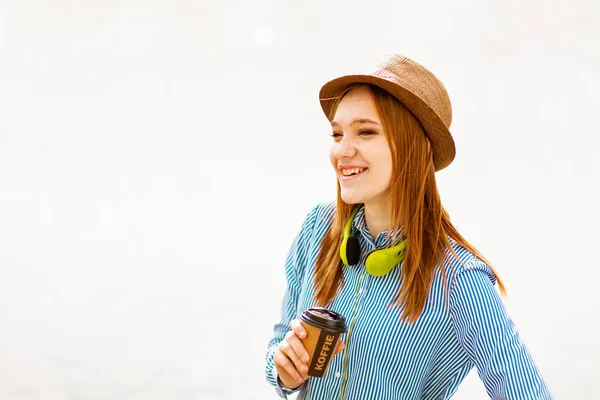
x=366 y=132
x=335 y=135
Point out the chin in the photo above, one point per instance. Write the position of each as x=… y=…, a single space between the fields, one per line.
x=351 y=199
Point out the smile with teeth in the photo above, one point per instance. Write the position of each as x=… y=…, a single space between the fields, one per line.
x=352 y=171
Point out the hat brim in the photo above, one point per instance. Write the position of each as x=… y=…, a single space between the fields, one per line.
x=441 y=141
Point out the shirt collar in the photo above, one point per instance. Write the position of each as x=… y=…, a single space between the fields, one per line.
x=359 y=224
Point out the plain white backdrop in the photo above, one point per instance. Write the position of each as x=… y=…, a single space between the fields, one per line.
x=158 y=158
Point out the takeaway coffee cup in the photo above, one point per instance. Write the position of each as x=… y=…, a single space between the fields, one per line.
x=323 y=329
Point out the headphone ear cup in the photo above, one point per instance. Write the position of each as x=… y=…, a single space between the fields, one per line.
x=352 y=250
x=381 y=262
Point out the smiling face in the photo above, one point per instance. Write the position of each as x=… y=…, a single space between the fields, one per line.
x=360 y=153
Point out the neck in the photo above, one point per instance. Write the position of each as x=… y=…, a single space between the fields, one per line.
x=377 y=217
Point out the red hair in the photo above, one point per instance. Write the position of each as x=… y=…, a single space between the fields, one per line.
x=414 y=196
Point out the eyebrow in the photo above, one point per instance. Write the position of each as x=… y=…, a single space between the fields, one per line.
x=358 y=121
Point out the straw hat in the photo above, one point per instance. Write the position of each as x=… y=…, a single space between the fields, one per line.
x=418 y=89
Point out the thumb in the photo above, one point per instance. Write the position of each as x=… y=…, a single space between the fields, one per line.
x=340 y=347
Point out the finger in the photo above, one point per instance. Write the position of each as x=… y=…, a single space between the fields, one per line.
x=297 y=327
x=282 y=360
x=296 y=351
x=340 y=347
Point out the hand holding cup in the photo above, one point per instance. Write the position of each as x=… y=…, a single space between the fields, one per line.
x=292 y=359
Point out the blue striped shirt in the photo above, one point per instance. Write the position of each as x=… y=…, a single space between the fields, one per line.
x=387 y=358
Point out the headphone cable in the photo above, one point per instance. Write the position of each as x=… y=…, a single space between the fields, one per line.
x=344 y=362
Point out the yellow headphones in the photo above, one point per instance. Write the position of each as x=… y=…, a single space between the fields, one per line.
x=379 y=262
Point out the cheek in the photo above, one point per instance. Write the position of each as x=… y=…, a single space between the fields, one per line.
x=388 y=158
x=384 y=162
x=389 y=166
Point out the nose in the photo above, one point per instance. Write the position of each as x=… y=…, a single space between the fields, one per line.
x=345 y=148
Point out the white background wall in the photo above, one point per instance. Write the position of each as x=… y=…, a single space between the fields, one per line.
x=149 y=150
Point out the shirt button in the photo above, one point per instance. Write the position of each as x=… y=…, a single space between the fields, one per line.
x=337 y=374
x=360 y=291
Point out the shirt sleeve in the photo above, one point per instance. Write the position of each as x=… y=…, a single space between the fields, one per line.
x=294 y=271
x=490 y=338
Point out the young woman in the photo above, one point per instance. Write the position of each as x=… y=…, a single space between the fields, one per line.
x=420 y=319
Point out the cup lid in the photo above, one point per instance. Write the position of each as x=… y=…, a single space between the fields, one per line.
x=325 y=319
